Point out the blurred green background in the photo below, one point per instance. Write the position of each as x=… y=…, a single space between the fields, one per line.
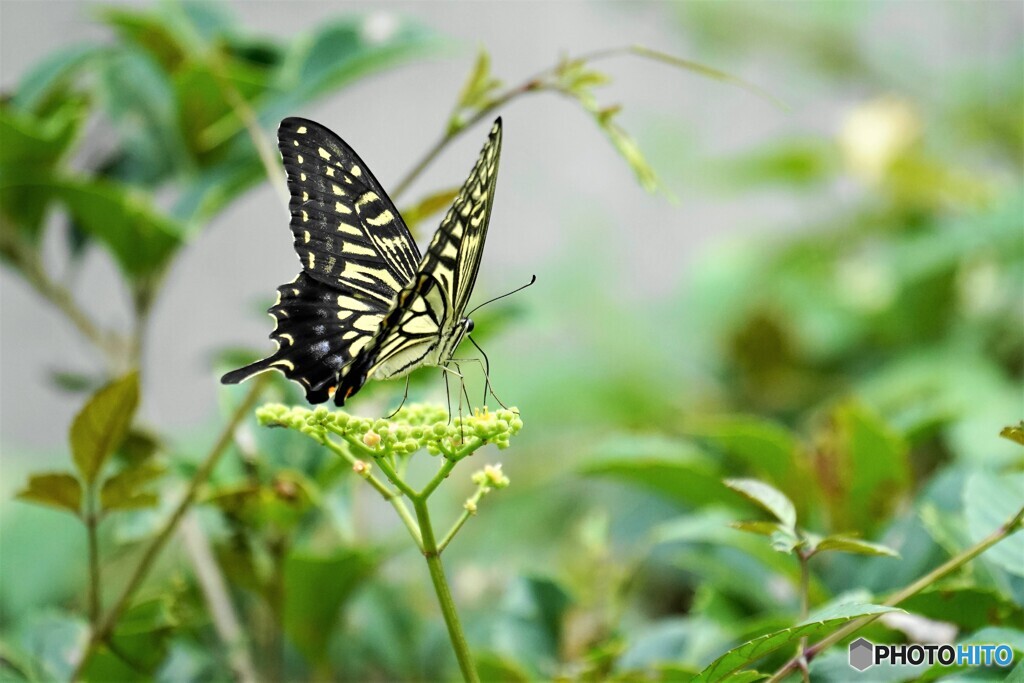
x=824 y=294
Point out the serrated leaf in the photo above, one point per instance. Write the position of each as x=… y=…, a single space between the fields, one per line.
x=848 y=544
x=102 y=424
x=767 y=497
x=124 y=490
x=989 y=501
x=56 y=489
x=753 y=650
x=1014 y=433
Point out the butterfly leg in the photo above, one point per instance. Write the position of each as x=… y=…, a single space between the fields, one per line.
x=446 y=370
x=404 y=397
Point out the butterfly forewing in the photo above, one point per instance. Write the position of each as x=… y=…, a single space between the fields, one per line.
x=424 y=323
x=347 y=232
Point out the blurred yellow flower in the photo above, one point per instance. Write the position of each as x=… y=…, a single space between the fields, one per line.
x=876 y=133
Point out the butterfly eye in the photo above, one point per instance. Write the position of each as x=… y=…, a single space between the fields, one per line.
x=469 y=325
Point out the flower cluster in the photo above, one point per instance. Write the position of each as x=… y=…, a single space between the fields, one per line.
x=412 y=428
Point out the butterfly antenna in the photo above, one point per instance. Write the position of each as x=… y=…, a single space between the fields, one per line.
x=404 y=396
x=533 y=278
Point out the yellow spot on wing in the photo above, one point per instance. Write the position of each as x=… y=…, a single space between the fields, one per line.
x=383 y=219
x=305 y=237
x=356 y=171
x=330 y=172
x=305 y=216
x=301 y=130
x=312 y=260
x=324 y=154
x=298 y=157
x=341 y=208
x=284 y=364
x=352 y=248
x=367 y=198
x=337 y=190
x=287 y=337
x=305 y=196
x=349 y=229
x=302 y=177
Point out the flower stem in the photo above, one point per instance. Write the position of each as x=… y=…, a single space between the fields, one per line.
x=91 y=524
x=444 y=594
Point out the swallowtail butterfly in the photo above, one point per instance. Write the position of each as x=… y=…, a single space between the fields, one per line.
x=366 y=304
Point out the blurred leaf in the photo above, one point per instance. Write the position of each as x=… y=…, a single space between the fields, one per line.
x=863 y=467
x=57 y=489
x=1014 y=433
x=767 y=498
x=628 y=150
x=101 y=425
x=427 y=206
x=759 y=527
x=47 y=85
x=317 y=587
x=989 y=501
x=676 y=470
x=529 y=625
x=969 y=607
x=123 y=491
x=847 y=544
x=140 y=643
x=148 y=31
x=75 y=382
x=340 y=52
x=765 y=447
x=139 y=98
x=798 y=162
x=17 y=665
x=494 y=667
x=138 y=236
x=755 y=649
x=30 y=148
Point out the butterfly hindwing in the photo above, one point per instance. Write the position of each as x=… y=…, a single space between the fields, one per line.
x=317 y=331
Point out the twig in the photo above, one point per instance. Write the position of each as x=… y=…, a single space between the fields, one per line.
x=106 y=626
x=1012 y=525
x=211 y=581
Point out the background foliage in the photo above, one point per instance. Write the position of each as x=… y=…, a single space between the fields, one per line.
x=861 y=363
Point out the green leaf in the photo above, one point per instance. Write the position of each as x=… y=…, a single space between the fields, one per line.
x=766 y=447
x=989 y=502
x=856 y=546
x=969 y=607
x=138 y=236
x=57 y=489
x=102 y=424
x=139 y=97
x=491 y=666
x=628 y=150
x=123 y=491
x=675 y=470
x=47 y=84
x=317 y=587
x=868 y=468
x=140 y=643
x=433 y=203
x=753 y=650
x=1014 y=433
x=30 y=148
x=761 y=528
x=768 y=498
x=477 y=92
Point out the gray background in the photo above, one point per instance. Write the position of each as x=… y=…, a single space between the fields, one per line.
x=563 y=194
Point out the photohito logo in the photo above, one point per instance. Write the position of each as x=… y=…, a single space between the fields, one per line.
x=864 y=654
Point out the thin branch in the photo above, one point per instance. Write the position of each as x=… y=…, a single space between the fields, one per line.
x=142 y=569
x=1011 y=526
x=211 y=581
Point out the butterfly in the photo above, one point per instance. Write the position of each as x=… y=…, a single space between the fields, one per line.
x=366 y=304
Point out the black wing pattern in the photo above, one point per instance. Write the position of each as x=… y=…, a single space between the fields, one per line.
x=425 y=324
x=356 y=255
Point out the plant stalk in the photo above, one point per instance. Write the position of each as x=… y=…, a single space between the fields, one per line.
x=91 y=524
x=105 y=628
x=444 y=594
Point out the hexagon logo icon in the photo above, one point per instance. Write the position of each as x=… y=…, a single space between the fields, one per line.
x=862 y=654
